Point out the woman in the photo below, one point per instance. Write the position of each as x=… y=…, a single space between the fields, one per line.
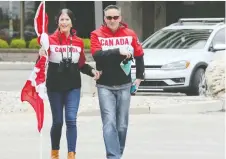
x=66 y=60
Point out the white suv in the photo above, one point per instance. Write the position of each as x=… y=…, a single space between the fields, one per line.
x=176 y=56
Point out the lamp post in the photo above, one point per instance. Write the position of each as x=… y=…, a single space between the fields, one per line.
x=98 y=7
x=10 y=19
x=22 y=19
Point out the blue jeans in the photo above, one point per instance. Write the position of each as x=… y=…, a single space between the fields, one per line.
x=114 y=106
x=69 y=99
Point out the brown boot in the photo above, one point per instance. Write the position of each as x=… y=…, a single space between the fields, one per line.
x=55 y=154
x=71 y=155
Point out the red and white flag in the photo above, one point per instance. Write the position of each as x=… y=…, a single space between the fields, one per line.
x=34 y=90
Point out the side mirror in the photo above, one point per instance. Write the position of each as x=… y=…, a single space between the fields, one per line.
x=219 y=47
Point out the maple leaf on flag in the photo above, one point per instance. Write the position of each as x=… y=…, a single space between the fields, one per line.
x=34 y=90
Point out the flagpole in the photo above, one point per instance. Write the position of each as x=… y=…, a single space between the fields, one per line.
x=43 y=26
x=43 y=17
x=43 y=30
x=41 y=144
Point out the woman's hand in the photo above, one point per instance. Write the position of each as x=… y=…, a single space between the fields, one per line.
x=42 y=52
x=96 y=74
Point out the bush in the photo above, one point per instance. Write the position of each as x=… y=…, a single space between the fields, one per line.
x=27 y=44
x=86 y=43
x=18 y=43
x=3 y=44
x=34 y=44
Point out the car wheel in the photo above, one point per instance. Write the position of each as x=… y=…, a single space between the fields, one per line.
x=203 y=86
x=198 y=84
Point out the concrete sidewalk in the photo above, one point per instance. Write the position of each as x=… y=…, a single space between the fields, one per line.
x=10 y=103
x=194 y=136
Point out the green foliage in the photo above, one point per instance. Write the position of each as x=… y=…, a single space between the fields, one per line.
x=86 y=43
x=3 y=44
x=34 y=44
x=18 y=43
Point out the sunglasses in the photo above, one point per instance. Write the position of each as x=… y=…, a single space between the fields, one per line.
x=112 y=17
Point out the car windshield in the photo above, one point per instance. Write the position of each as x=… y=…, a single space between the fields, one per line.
x=178 y=39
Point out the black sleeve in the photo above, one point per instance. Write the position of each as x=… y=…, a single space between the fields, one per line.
x=98 y=66
x=139 y=67
x=107 y=55
x=87 y=69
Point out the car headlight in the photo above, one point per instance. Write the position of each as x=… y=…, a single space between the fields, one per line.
x=176 y=65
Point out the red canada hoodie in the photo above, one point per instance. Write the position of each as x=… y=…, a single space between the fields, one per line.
x=63 y=47
x=105 y=50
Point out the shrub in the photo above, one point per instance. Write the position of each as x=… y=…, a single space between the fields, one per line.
x=34 y=44
x=18 y=43
x=27 y=44
x=3 y=44
x=86 y=43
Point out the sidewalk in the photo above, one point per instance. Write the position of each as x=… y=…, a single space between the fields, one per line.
x=89 y=105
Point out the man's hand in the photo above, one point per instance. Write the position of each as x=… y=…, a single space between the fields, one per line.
x=125 y=52
x=96 y=74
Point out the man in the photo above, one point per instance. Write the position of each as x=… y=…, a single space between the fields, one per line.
x=109 y=47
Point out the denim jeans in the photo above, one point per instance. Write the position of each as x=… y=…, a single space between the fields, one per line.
x=69 y=99
x=114 y=106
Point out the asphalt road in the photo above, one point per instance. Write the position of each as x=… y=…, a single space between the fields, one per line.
x=194 y=136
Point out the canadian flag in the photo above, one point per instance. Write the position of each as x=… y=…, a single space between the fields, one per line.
x=34 y=90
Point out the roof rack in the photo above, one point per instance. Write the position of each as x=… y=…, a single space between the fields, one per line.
x=202 y=20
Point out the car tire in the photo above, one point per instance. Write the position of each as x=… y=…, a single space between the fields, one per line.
x=198 y=84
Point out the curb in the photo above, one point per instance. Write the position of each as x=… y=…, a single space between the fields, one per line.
x=192 y=108
x=8 y=65
x=92 y=109
x=27 y=55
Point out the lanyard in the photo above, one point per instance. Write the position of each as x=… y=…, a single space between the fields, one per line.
x=67 y=47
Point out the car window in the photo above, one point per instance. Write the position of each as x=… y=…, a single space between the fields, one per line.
x=219 y=38
x=178 y=39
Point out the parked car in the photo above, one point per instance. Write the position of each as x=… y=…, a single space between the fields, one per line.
x=177 y=56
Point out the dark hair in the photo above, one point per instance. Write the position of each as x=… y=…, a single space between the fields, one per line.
x=70 y=14
x=112 y=7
